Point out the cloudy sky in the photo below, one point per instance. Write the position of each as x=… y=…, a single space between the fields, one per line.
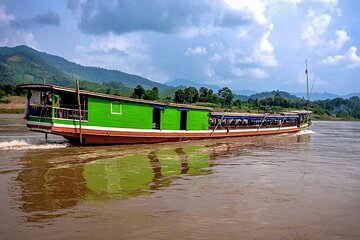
x=244 y=44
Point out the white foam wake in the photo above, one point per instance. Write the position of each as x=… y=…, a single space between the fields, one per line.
x=304 y=132
x=23 y=145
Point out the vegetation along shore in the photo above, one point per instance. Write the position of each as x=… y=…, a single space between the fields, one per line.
x=12 y=100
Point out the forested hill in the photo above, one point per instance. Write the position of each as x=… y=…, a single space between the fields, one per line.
x=22 y=64
x=283 y=94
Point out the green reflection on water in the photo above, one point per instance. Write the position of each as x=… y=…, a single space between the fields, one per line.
x=140 y=174
x=120 y=177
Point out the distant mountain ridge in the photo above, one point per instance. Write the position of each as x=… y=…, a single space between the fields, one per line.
x=22 y=64
x=283 y=94
x=188 y=83
x=325 y=95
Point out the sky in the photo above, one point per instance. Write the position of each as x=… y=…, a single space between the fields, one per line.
x=258 y=45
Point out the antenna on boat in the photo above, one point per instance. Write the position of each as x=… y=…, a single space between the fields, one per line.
x=44 y=80
x=307 y=91
x=307 y=81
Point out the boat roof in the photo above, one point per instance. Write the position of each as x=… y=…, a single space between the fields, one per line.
x=258 y=116
x=39 y=86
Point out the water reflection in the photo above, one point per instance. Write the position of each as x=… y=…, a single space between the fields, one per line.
x=46 y=190
x=58 y=182
x=140 y=174
x=54 y=181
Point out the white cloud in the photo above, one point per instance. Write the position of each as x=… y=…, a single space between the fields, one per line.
x=252 y=73
x=350 y=58
x=256 y=7
x=210 y=72
x=126 y=53
x=342 y=38
x=329 y=4
x=216 y=57
x=263 y=53
x=243 y=33
x=259 y=73
x=5 y=18
x=195 y=51
x=238 y=72
x=10 y=36
x=124 y=43
x=316 y=28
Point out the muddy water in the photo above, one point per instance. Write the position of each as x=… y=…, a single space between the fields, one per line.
x=290 y=186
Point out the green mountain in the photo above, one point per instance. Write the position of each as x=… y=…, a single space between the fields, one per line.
x=283 y=94
x=22 y=64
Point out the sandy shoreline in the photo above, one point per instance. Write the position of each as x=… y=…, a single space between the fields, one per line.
x=16 y=105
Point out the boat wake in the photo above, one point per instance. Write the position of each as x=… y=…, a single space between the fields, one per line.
x=305 y=132
x=24 y=145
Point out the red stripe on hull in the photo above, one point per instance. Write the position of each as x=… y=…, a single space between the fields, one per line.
x=101 y=137
x=38 y=127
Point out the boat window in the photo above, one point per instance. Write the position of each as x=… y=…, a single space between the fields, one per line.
x=116 y=107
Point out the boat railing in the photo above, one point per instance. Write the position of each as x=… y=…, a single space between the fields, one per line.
x=45 y=111
x=40 y=110
x=252 y=126
x=69 y=113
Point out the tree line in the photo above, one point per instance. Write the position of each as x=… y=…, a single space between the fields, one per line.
x=224 y=96
x=226 y=100
x=10 y=90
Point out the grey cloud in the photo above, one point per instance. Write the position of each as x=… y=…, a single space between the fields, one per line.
x=97 y=17
x=49 y=18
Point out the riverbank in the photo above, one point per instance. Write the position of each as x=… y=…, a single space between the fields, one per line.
x=12 y=104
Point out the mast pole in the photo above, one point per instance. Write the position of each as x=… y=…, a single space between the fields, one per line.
x=307 y=80
x=307 y=92
x=79 y=104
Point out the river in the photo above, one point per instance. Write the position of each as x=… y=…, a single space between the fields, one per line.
x=290 y=186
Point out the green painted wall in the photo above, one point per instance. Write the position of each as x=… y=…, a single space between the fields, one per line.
x=139 y=115
x=170 y=119
x=134 y=115
x=197 y=120
x=69 y=121
x=38 y=119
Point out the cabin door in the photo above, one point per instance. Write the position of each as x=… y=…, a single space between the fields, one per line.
x=156 y=118
x=183 y=120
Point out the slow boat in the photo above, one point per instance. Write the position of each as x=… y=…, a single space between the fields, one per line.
x=90 y=118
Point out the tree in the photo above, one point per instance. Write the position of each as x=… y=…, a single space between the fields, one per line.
x=152 y=94
x=113 y=84
x=191 y=95
x=179 y=96
x=203 y=94
x=226 y=97
x=2 y=94
x=139 y=92
x=212 y=98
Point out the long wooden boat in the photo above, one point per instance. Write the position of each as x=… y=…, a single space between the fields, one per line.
x=98 y=119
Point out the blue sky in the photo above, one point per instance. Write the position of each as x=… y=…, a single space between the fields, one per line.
x=243 y=44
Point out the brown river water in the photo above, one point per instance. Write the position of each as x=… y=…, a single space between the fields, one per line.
x=290 y=186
